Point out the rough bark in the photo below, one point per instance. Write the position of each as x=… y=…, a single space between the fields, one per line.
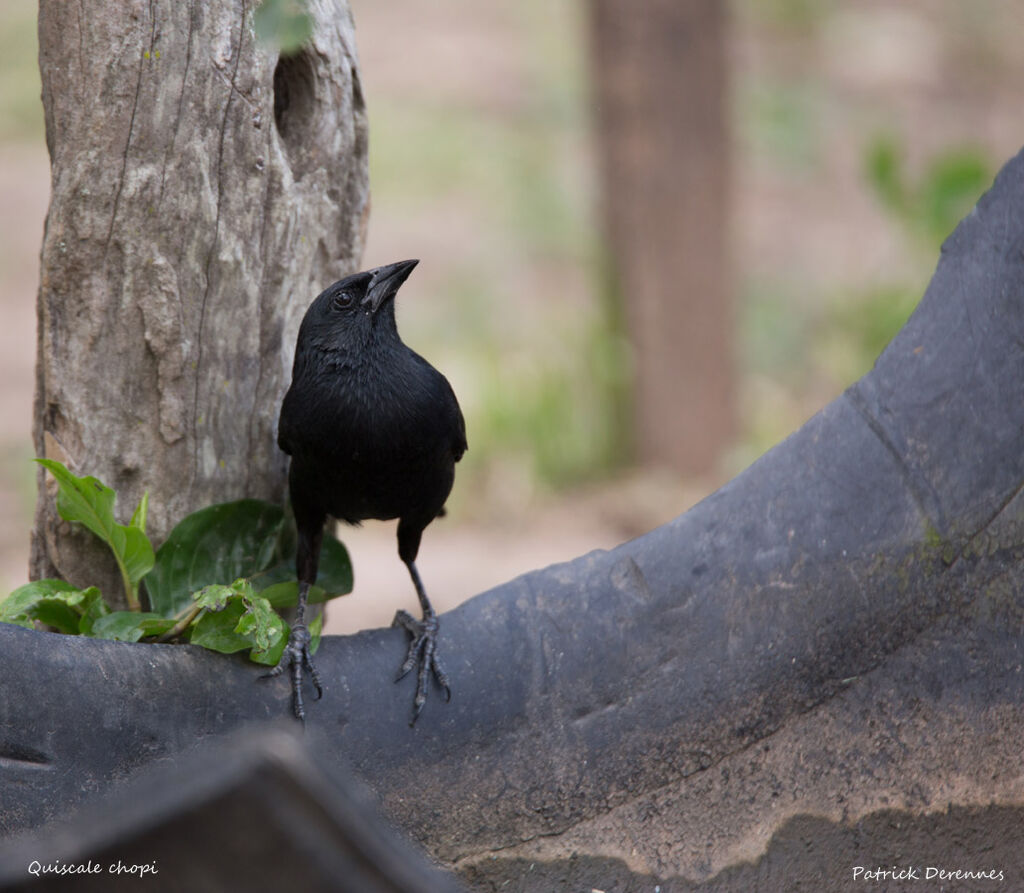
x=660 y=76
x=835 y=633
x=202 y=192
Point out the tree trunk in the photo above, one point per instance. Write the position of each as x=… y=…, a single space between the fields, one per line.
x=660 y=91
x=203 y=190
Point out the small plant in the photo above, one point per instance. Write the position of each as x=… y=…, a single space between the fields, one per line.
x=249 y=542
x=930 y=208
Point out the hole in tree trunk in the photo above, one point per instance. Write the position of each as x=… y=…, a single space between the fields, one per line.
x=294 y=106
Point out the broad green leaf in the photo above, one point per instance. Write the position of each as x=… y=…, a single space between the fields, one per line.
x=58 y=614
x=91 y=503
x=219 y=543
x=335 y=576
x=249 y=538
x=130 y=626
x=53 y=602
x=216 y=630
x=286 y=595
x=278 y=583
x=85 y=500
x=24 y=598
x=136 y=552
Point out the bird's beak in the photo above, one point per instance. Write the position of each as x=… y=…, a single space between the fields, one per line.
x=386 y=281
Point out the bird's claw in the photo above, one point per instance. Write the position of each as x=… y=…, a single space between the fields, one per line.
x=295 y=658
x=422 y=651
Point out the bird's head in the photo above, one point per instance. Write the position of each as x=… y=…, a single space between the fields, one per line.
x=355 y=311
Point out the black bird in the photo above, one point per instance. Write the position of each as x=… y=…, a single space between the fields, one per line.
x=374 y=431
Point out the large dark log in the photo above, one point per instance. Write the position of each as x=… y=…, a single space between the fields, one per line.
x=850 y=605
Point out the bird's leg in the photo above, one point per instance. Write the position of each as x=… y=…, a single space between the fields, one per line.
x=296 y=656
x=422 y=647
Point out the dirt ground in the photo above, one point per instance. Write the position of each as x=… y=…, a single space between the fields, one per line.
x=933 y=73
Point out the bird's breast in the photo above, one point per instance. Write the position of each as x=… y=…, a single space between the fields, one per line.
x=371 y=448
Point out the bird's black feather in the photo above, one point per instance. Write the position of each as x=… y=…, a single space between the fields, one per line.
x=373 y=431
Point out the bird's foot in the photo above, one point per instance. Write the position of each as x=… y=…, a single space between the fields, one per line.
x=422 y=652
x=295 y=658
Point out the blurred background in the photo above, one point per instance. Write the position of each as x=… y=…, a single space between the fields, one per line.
x=755 y=192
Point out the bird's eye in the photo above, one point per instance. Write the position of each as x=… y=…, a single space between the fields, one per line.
x=342 y=300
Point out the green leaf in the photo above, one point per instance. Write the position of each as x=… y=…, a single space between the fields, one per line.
x=335 y=576
x=249 y=538
x=85 y=500
x=216 y=630
x=216 y=596
x=130 y=626
x=53 y=602
x=136 y=552
x=260 y=622
x=24 y=598
x=93 y=608
x=334 y=579
x=217 y=543
x=235 y=619
x=271 y=656
x=91 y=503
x=286 y=595
x=141 y=513
x=266 y=629
x=58 y=614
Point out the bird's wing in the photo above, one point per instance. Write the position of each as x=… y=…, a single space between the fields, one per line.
x=443 y=396
x=284 y=438
x=459 y=444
